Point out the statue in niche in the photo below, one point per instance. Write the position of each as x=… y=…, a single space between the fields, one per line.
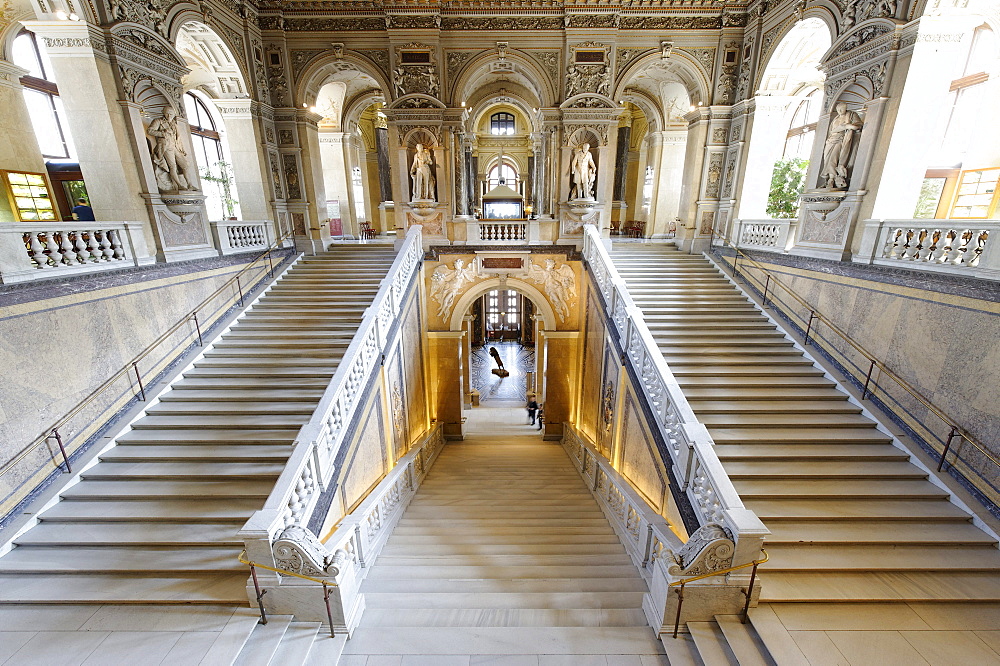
x=583 y=170
x=837 y=151
x=423 y=178
x=558 y=283
x=170 y=160
x=446 y=283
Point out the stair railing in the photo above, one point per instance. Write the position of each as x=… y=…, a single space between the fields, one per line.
x=310 y=467
x=285 y=572
x=803 y=315
x=233 y=292
x=695 y=464
x=678 y=586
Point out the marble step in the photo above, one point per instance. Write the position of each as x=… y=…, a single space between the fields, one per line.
x=430 y=641
x=812 y=469
x=807 y=378
x=738 y=353
x=297 y=643
x=494 y=515
x=768 y=453
x=221 y=422
x=713 y=648
x=257 y=373
x=857 y=510
x=262 y=644
x=792 y=406
x=400 y=548
x=253 y=351
x=759 y=394
x=196 y=407
x=195 y=453
x=800 y=435
x=681 y=651
x=720 y=371
x=523 y=616
x=818 y=419
x=264 y=363
x=160 y=512
x=124 y=470
x=238 y=383
x=597 y=525
x=98 y=533
x=878 y=586
x=867 y=557
x=307 y=346
x=150 y=560
x=98 y=588
x=567 y=571
x=151 y=490
x=478 y=541
x=889 y=533
x=835 y=489
x=489 y=559
x=423 y=590
x=744 y=642
x=722 y=344
x=210 y=438
x=185 y=391
x=770 y=359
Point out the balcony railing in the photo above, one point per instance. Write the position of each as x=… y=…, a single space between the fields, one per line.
x=772 y=235
x=233 y=236
x=958 y=247
x=39 y=251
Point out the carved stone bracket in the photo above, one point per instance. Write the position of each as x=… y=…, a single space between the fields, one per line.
x=709 y=549
x=298 y=550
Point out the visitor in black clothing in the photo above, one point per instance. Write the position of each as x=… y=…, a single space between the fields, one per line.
x=83 y=212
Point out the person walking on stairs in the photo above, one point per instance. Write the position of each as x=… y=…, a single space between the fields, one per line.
x=532 y=409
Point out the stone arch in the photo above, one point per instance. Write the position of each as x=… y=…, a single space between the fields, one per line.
x=487 y=103
x=217 y=67
x=649 y=106
x=680 y=63
x=416 y=101
x=534 y=78
x=325 y=66
x=353 y=108
x=537 y=297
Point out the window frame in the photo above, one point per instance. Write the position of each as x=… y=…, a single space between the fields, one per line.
x=503 y=123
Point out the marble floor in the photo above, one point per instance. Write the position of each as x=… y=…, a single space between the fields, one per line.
x=517 y=360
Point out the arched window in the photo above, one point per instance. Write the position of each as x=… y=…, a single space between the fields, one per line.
x=802 y=128
x=502 y=174
x=204 y=135
x=502 y=124
x=41 y=95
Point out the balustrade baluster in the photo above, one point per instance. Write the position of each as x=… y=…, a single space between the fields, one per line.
x=66 y=249
x=37 y=250
x=53 y=249
x=93 y=247
x=106 y=250
x=82 y=253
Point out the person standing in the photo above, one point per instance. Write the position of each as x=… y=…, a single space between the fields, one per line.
x=532 y=410
x=83 y=212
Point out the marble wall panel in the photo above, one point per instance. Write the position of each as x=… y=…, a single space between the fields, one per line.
x=367 y=460
x=415 y=393
x=590 y=389
x=640 y=461
x=608 y=402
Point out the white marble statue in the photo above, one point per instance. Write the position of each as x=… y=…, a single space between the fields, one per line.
x=558 y=283
x=423 y=178
x=170 y=161
x=583 y=170
x=837 y=151
x=447 y=283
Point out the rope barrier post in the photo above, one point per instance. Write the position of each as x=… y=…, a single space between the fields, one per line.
x=947 y=445
x=329 y=613
x=55 y=433
x=868 y=378
x=260 y=594
x=138 y=378
x=680 y=601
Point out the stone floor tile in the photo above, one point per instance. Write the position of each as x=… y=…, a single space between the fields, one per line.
x=354 y=660
x=624 y=659
x=503 y=660
x=654 y=660
x=951 y=647
x=11 y=642
x=991 y=638
x=58 y=648
x=135 y=648
x=434 y=660
x=383 y=659
x=964 y=617
x=28 y=617
x=848 y=617
x=190 y=648
x=818 y=648
x=159 y=618
x=572 y=660
x=868 y=648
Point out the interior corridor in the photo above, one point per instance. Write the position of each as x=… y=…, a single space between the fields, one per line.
x=503 y=551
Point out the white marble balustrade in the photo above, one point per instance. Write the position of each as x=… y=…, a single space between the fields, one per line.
x=772 y=235
x=694 y=461
x=38 y=251
x=960 y=247
x=503 y=231
x=232 y=236
x=310 y=467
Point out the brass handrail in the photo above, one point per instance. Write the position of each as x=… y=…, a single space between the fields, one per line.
x=748 y=592
x=956 y=429
x=260 y=593
x=53 y=430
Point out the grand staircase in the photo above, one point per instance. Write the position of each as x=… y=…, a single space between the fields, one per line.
x=155 y=521
x=503 y=551
x=858 y=531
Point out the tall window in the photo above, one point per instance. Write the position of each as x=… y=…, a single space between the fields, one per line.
x=502 y=308
x=502 y=174
x=41 y=95
x=204 y=135
x=802 y=128
x=502 y=124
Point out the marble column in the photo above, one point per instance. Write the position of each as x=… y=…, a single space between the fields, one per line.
x=620 y=212
x=19 y=152
x=305 y=167
x=106 y=146
x=249 y=162
x=445 y=349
